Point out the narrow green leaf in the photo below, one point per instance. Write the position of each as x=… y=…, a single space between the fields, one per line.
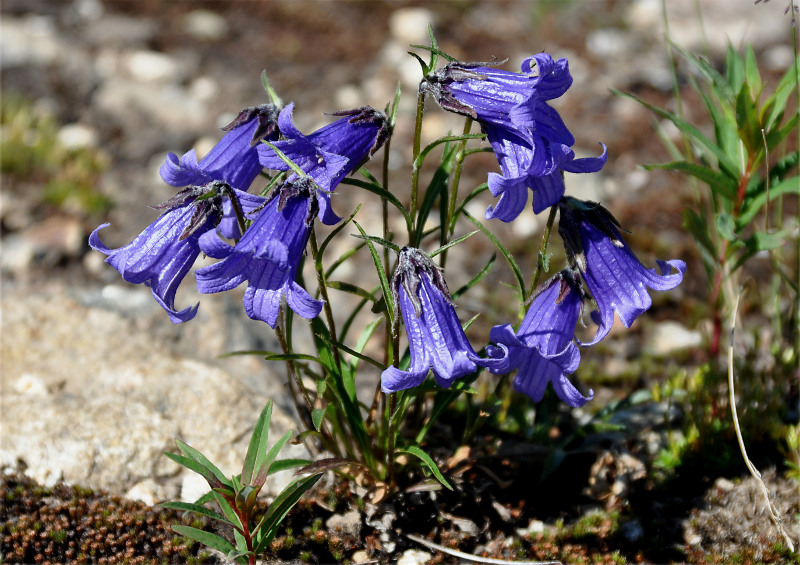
x=198 y=468
x=376 y=259
x=284 y=464
x=289 y=163
x=759 y=241
x=196 y=508
x=505 y=252
x=265 y=463
x=358 y=355
x=386 y=243
x=206 y=538
x=365 y=336
x=752 y=76
x=717 y=181
x=689 y=130
x=352 y=289
x=438 y=184
x=707 y=70
x=425 y=458
x=382 y=192
x=229 y=512
x=725 y=226
x=277 y=511
x=317 y=415
x=450 y=244
x=754 y=204
x=476 y=279
x=258 y=445
x=446 y=139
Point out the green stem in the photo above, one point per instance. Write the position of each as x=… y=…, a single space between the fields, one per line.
x=540 y=258
x=323 y=292
x=415 y=168
x=450 y=225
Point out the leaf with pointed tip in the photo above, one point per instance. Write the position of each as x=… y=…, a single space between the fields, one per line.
x=206 y=538
x=258 y=445
x=197 y=467
x=505 y=252
x=268 y=526
x=425 y=458
x=196 y=508
x=266 y=462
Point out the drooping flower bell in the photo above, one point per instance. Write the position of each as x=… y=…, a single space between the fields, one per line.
x=616 y=279
x=436 y=339
x=542 y=349
x=268 y=255
x=529 y=138
x=234 y=158
x=330 y=153
x=163 y=253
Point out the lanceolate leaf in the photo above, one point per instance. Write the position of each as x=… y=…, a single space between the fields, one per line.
x=505 y=252
x=258 y=445
x=718 y=182
x=262 y=469
x=425 y=458
x=206 y=538
x=376 y=259
x=198 y=468
x=752 y=206
x=196 y=508
x=277 y=511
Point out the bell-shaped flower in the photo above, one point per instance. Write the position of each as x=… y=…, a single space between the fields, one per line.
x=163 y=253
x=542 y=350
x=529 y=138
x=268 y=255
x=330 y=153
x=616 y=279
x=234 y=159
x=436 y=339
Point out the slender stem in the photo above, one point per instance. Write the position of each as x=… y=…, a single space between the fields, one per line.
x=390 y=461
x=796 y=317
x=450 y=224
x=415 y=167
x=540 y=258
x=323 y=291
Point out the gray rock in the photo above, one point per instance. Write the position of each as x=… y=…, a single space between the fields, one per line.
x=205 y=24
x=94 y=396
x=668 y=337
x=348 y=523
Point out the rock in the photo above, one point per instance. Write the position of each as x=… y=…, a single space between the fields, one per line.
x=414 y=557
x=348 y=523
x=94 y=396
x=360 y=556
x=152 y=66
x=668 y=336
x=205 y=24
x=77 y=136
x=410 y=25
x=49 y=241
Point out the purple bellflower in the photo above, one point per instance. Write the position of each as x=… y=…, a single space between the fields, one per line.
x=330 y=153
x=529 y=138
x=268 y=255
x=164 y=252
x=234 y=159
x=543 y=349
x=435 y=337
x=616 y=279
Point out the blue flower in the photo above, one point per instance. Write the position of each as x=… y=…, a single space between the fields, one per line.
x=616 y=279
x=330 y=153
x=435 y=337
x=529 y=138
x=542 y=349
x=268 y=255
x=164 y=252
x=234 y=159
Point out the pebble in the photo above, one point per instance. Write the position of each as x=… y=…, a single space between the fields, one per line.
x=205 y=24
x=349 y=523
x=414 y=557
x=669 y=336
x=151 y=66
x=78 y=136
x=410 y=25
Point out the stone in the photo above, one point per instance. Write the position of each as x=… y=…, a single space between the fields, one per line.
x=669 y=336
x=152 y=66
x=95 y=395
x=348 y=523
x=410 y=25
x=414 y=557
x=205 y=24
x=77 y=136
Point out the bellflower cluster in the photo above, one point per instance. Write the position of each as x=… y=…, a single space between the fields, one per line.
x=215 y=205
x=163 y=253
x=529 y=138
